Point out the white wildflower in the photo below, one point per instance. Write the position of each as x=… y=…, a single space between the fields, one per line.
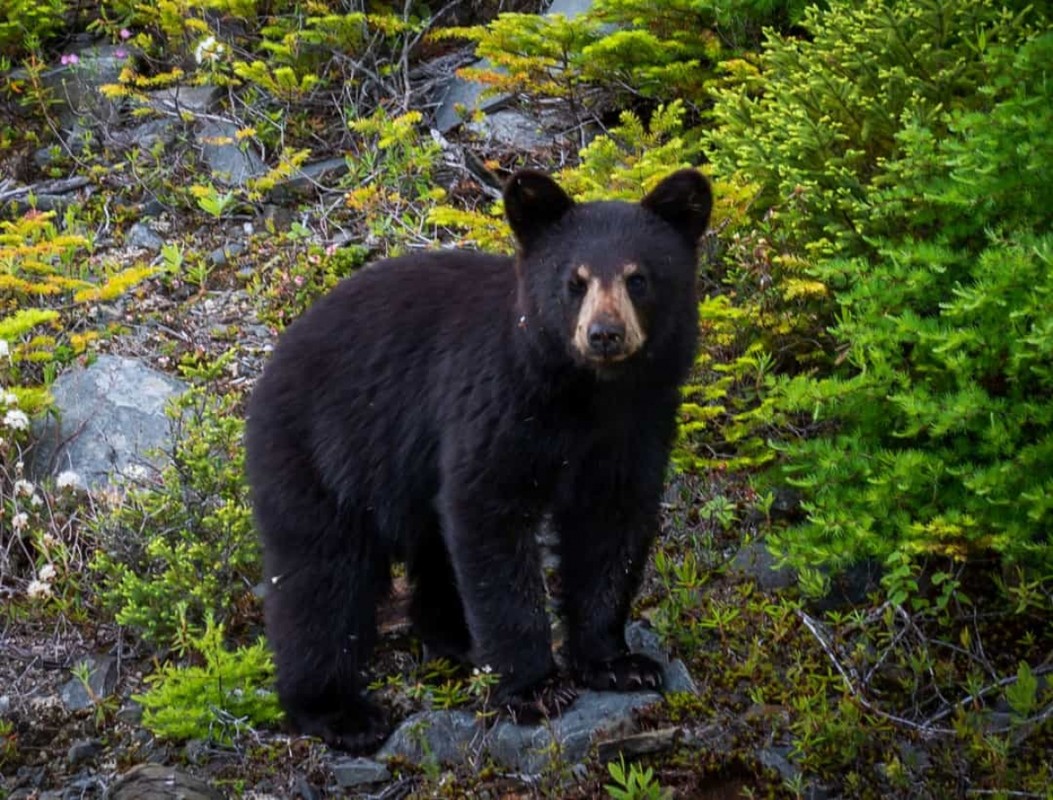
x=208 y=49
x=16 y=420
x=68 y=480
x=36 y=501
x=19 y=521
x=136 y=472
x=39 y=589
x=5 y=349
x=8 y=398
x=46 y=573
x=24 y=488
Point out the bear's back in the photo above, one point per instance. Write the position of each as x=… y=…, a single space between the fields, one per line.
x=351 y=386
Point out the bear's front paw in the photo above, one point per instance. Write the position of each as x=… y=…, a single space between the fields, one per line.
x=536 y=703
x=360 y=732
x=626 y=673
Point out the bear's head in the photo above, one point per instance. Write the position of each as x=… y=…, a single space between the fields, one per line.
x=613 y=281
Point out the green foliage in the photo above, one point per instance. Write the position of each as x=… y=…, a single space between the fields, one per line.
x=181 y=546
x=818 y=118
x=47 y=279
x=26 y=24
x=937 y=434
x=659 y=50
x=439 y=684
x=634 y=782
x=227 y=694
x=288 y=284
x=390 y=178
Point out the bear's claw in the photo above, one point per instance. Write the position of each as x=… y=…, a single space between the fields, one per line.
x=631 y=672
x=542 y=701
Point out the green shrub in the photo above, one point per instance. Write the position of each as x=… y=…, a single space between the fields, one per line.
x=230 y=692
x=817 y=119
x=181 y=547
x=936 y=426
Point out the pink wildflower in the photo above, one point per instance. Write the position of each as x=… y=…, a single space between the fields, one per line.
x=125 y=34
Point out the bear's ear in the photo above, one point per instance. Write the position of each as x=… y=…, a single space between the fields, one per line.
x=684 y=200
x=533 y=202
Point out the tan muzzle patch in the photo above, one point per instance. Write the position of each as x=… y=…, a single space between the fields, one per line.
x=608 y=328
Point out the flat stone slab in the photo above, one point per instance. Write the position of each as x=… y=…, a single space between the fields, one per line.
x=454 y=737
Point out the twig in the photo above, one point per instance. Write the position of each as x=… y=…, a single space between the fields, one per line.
x=923 y=728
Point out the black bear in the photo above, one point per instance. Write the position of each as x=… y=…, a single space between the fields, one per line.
x=435 y=408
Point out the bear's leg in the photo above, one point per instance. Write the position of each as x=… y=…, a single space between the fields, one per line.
x=325 y=574
x=436 y=608
x=607 y=519
x=497 y=565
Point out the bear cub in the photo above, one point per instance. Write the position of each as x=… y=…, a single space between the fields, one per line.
x=435 y=408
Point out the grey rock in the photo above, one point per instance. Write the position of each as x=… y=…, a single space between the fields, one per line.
x=45 y=156
x=158 y=782
x=177 y=99
x=641 y=639
x=318 y=173
x=777 y=758
x=102 y=680
x=151 y=208
x=131 y=713
x=222 y=255
x=451 y=737
x=5 y=705
x=75 y=87
x=677 y=678
x=351 y=772
x=230 y=163
x=462 y=98
x=141 y=235
x=305 y=789
x=110 y=415
x=754 y=561
x=148 y=134
x=569 y=8
x=439 y=736
x=512 y=129
x=593 y=717
x=80 y=787
x=83 y=750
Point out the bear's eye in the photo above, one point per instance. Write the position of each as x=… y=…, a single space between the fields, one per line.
x=577 y=285
x=636 y=283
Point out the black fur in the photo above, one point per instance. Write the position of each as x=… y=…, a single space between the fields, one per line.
x=431 y=409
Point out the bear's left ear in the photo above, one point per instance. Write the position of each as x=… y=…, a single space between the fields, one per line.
x=684 y=200
x=533 y=202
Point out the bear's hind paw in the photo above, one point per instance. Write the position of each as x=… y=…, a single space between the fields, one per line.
x=631 y=672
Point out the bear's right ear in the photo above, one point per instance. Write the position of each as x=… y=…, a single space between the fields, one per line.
x=533 y=202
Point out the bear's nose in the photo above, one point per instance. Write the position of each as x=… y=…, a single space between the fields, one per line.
x=606 y=337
